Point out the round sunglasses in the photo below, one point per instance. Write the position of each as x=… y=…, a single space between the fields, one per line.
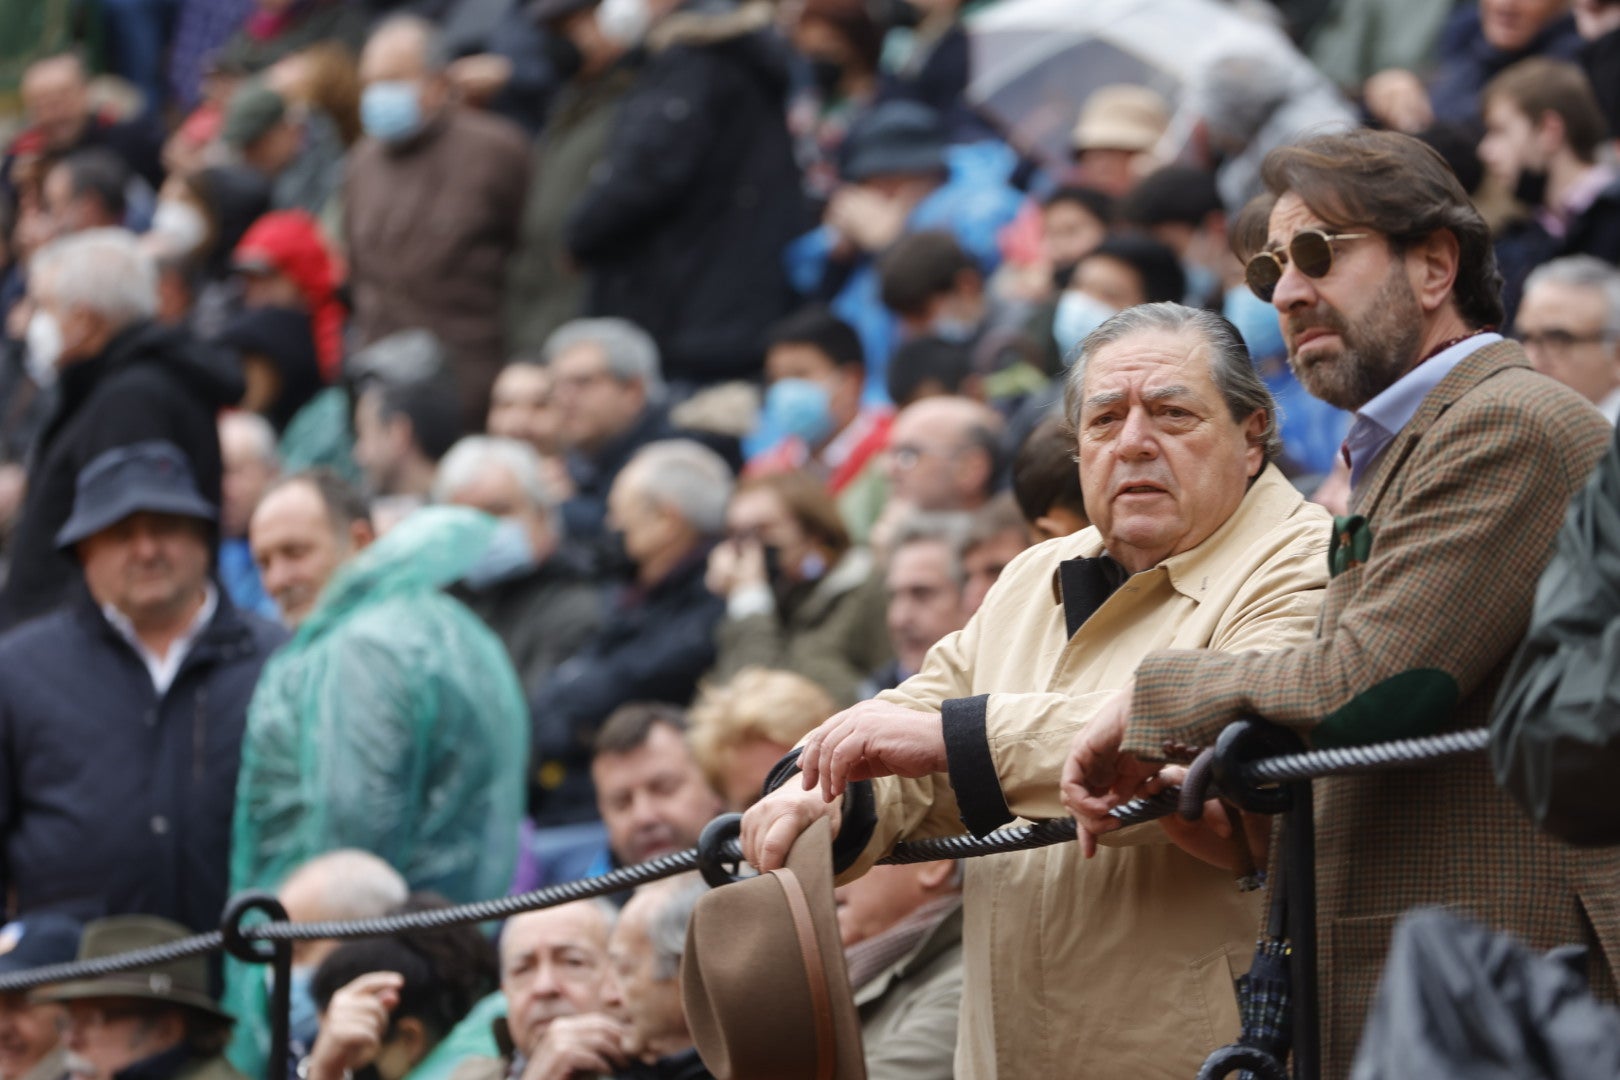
x=1310 y=250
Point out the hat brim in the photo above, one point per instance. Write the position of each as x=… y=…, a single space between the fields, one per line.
x=138 y=986
x=88 y=521
x=1115 y=135
x=723 y=985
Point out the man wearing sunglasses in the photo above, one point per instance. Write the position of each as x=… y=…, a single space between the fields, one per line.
x=1462 y=462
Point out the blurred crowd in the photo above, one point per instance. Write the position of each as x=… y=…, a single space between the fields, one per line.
x=450 y=447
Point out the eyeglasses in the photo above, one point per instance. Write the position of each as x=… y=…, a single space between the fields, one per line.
x=1311 y=251
x=1560 y=341
x=907 y=456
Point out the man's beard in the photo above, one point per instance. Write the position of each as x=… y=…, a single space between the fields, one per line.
x=1371 y=357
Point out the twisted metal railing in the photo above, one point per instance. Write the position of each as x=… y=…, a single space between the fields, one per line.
x=270 y=942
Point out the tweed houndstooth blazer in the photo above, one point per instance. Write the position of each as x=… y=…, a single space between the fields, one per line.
x=1435 y=575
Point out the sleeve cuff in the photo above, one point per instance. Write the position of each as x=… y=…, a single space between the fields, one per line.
x=972 y=769
x=750 y=600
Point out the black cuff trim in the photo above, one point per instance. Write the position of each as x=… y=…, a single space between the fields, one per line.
x=782 y=771
x=972 y=770
x=858 y=823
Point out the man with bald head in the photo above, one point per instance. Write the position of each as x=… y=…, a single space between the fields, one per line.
x=942 y=454
x=61 y=120
x=424 y=159
x=554 y=976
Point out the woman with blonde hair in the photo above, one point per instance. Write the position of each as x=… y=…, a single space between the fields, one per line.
x=739 y=729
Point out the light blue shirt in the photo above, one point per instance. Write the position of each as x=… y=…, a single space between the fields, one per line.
x=1381 y=419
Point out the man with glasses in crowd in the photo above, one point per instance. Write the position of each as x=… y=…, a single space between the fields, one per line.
x=1569 y=325
x=1462 y=463
x=943 y=454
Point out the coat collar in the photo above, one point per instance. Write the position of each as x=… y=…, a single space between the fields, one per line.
x=945 y=935
x=1475 y=369
x=1270 y=499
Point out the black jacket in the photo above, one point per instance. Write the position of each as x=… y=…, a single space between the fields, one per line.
x=683 y=226
x=593 y=474
x=149 y=383
x=114 y=800
x=542 y=617
x=654 y=647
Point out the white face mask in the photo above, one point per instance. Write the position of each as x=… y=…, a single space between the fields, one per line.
x=182 y=224
x=623 y=21
x=43 y=347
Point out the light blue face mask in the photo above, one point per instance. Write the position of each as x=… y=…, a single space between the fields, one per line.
x=1256 y=320
x=1202 y=283
x=303 y=1019
x=799 y=407
x=1078 y=314
x=509 y=555
x=950 y=328
x=391 y=111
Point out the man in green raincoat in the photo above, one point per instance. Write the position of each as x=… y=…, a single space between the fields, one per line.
x=392 y=722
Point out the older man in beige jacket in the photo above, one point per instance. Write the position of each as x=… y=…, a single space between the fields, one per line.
x=1123 y=966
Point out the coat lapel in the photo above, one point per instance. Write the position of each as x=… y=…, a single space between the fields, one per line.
x=1481 y=365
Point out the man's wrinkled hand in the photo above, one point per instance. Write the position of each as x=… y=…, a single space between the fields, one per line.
x=771 y=826
x=872 y=739
x=589 y=1044
x=1098 y=776
x=354 y=1024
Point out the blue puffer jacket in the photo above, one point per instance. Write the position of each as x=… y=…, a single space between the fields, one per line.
x=114 y=800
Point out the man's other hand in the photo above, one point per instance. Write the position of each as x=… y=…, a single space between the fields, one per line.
x=872 y=739
x=589 y=1044
x=354 y=1024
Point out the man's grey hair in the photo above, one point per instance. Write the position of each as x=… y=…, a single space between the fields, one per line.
x=102 y=270
x=1238 y=93
x=1583 y=272
x=952 y=528
x=688 y=478
x=261 y=436
x=405 y=356
x=353 y=884
x=1230 y=365
x=435 y=50
x=666 y=926
x=468 y=459
x=631 y=353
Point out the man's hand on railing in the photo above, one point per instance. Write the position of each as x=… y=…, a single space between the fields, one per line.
x=1098 y=776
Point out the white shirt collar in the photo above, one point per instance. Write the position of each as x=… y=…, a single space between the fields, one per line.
x=1381 y=419
x=1610 y=406
x=163 y=669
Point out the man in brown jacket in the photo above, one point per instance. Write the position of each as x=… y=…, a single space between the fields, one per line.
x=1124 y=965
x=1462 y=463
x=432 y=202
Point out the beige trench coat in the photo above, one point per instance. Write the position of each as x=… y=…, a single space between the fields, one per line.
x=1122 y=966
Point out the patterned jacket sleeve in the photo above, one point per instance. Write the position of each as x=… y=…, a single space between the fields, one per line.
x=1439 y=603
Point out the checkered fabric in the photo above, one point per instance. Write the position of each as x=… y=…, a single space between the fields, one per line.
x=1462 y=512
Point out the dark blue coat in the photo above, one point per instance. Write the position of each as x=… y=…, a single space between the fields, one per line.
x=655 y=646
x=113 y=800
x=682 y=227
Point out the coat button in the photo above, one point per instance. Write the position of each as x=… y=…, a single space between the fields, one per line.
x=151 y=718
x=160 y=824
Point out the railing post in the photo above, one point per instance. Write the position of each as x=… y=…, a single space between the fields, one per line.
x=278 y=954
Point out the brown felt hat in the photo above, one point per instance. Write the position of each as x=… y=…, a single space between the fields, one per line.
x=179 y=982
x=763 y=977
